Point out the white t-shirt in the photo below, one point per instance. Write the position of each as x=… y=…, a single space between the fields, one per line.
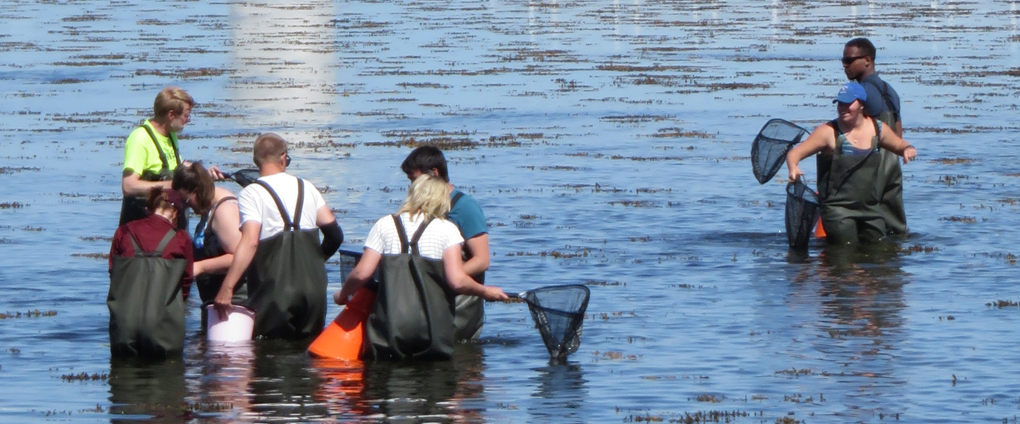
x=256 y=204
x=440 y=235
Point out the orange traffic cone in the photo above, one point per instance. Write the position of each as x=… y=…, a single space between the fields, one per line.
x=342 y=338
x=819 y=230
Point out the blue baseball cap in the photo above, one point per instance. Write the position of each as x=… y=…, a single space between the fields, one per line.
x=849 y=92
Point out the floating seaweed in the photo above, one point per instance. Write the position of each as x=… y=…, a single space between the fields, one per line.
x=30 y=314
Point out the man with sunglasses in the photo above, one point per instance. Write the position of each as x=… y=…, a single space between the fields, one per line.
x=883 y=103
x=281 y=217
x=151 y=153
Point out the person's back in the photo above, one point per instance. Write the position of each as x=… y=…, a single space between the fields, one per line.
x=287 y=285
x=150 y=273
x=281 y=216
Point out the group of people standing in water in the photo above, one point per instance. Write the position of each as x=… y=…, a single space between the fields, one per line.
x=262 y=248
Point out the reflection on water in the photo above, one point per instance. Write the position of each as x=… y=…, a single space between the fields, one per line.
x=560 y=393
x=149 y=391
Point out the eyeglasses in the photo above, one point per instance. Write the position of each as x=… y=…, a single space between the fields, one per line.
x=851 y=59
x=286 y=159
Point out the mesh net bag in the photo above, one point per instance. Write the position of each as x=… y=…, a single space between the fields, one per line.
x=348 y=258
x=559 y=313
x=769 y=149
x=801 y=214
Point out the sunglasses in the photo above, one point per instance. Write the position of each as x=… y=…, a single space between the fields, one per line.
x=286 y=159
x=851 y=59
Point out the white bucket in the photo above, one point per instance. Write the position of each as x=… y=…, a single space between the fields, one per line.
x=236 y=328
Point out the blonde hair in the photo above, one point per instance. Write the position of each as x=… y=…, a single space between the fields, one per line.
x=427 y=195
x=171 y=98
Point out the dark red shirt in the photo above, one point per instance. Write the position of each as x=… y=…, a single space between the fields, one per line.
x=148 y=232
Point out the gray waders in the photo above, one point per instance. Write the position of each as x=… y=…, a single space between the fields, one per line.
x=470 y=310
x=848 y=192
x=145 y=302
x=133 y=207
x=287 y=282
x=413 y=313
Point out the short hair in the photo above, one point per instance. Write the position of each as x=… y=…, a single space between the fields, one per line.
x=865 y=45
x=268 y=148
x=424 y=159
x=195 y=179
x=159 y=197
x=171 y=98
x=428 y=195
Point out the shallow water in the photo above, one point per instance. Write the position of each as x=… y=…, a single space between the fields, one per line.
x=608 y=144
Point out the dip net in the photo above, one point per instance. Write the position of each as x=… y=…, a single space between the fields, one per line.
x=244 y=177
x=769 y=149
x=801 y=214
x=559 y=313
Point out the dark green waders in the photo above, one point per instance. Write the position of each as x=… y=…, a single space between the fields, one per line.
x=287 y=281
x=469 y=310
x=413 y=313
x=849 y=193
x=890 y=181
x=146 y=305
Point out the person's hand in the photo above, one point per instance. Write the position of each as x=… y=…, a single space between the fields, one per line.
x=795 y=174
x=493 y=294
x=340 y=298
x=222 y=302
x=909 y=154
x=215 y=173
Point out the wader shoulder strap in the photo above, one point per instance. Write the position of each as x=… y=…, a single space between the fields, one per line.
x=207 y=218
x=456 y=197
x=159 y=248
x=300 y=203
x=412 y=246
x=888 y=101
x=162 y=156
x=288 y=224
x=417 y=235
x=162 y=243
x=400 y=233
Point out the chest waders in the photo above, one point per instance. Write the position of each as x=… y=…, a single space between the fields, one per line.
x=287 y=280
x=413 y=313
x=133 y=207
x=145 y=302
x=890 y=175
x=470 y=310
x=848 y=194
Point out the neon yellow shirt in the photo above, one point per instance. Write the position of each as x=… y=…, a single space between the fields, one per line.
x=141 y=156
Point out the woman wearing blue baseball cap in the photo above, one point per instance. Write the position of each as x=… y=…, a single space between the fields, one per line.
x=848 y=165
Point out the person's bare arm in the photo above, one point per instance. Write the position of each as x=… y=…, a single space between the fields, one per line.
x=359 y=276
x=821 y=139
x=243 y=256
x=132 y=184
x=893 y=143
x=479 y=248
x=461 y=282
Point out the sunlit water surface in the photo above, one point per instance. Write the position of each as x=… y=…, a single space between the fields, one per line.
x=608 y=144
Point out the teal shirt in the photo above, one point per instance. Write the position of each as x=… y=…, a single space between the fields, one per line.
x=468 y=216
